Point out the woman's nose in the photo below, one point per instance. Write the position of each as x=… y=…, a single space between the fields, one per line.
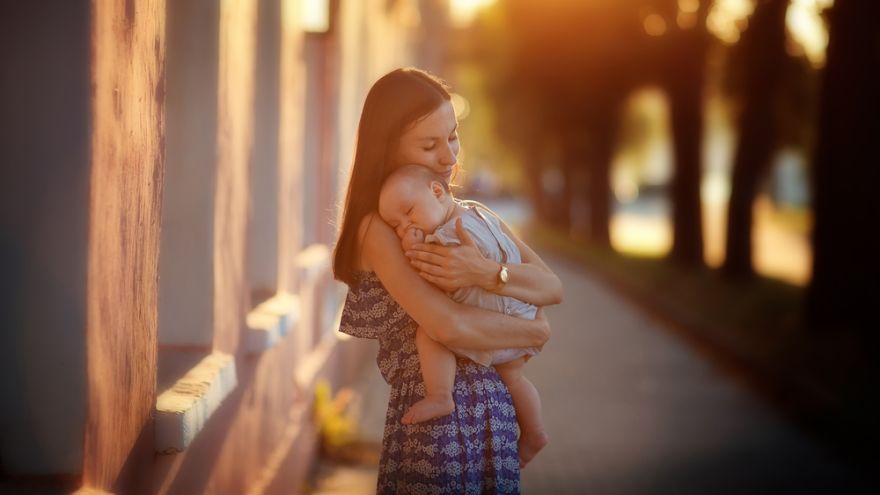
x=448 y=155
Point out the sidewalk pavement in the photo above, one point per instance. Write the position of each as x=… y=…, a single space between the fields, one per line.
x=631 y=409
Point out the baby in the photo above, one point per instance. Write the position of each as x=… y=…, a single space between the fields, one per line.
x=414 y=201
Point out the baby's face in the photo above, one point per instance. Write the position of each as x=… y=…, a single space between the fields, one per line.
x=412 y=208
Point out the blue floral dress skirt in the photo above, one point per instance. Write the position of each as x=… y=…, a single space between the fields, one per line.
x=472 y=450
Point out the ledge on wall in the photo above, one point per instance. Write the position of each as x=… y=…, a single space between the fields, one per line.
x=271 y=320
x=313 y=261
x=183 y=409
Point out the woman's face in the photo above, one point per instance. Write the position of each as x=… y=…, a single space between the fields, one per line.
x=432 y=142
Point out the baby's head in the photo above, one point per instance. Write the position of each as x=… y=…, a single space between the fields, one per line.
x=415 y=199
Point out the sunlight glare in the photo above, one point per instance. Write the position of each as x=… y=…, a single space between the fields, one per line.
x=461 y=105
x=806 y=26
x=728 y=18
x=803 y=19
x=688 y=6
x=462 y=12
x=655 y=25
x=315 y=16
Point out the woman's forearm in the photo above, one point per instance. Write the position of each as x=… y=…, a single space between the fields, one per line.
x=482 y=329
x=532 y=280
x=534 y=284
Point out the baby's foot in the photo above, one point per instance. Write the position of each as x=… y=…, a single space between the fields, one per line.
x=530 y=443
x=429 y=408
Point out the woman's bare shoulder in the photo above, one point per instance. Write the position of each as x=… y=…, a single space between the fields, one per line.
x=374 y=235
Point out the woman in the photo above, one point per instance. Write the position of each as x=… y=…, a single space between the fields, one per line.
x=408 y=118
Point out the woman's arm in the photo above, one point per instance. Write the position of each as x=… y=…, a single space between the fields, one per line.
x=535 y=281
x=452 y=268
x=448 y=322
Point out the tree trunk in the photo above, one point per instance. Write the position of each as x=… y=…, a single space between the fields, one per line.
x=843 y=293
x=687 y=131
x=764 y=45
x=686 y=58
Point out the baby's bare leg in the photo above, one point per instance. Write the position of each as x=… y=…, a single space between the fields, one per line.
x=438 y=373
x=532 y=437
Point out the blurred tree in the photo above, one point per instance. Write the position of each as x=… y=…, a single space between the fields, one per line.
x=559 y=75
x=762 y=61
x=843 y=293
x=685 y=44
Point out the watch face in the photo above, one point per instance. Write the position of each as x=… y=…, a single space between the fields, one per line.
x=503 y=274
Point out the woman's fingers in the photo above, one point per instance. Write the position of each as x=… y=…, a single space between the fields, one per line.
x=442 y=283
x=418 y=255
x=427 y=267
x=432 y=248
x=463 y=235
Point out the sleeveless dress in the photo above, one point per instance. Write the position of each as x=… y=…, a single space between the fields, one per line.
x=474 y=449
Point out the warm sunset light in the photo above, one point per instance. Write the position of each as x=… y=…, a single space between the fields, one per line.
x=728 y=17
x=806 y=26
x=803 y=19
x=439 y=246
x=315 y=16
x=655 y=25
x=462 y=12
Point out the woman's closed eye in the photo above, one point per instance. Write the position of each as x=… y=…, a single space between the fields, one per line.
x=452 y=138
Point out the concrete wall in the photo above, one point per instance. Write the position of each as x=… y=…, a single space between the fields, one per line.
x=124 y=217
x=186 y=295
x=290 y=144
x=44 y=196
x=263 y=248
x=44 y=190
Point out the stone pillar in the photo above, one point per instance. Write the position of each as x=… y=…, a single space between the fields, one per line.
x=234 y=147
x=125 y=198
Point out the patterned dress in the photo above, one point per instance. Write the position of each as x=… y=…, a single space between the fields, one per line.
x=472 y=450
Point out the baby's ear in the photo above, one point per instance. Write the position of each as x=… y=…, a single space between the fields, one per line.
x=437 y=189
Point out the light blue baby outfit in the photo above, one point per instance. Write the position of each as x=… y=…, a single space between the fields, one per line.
x=485 y=230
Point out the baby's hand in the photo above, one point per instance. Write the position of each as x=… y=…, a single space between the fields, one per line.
x=412 y=236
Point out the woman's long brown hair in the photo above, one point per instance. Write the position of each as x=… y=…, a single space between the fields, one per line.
x=395 y=103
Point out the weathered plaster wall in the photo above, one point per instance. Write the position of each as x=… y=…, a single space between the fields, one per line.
x=44 y=186
x=128 y=50
x=234 y=144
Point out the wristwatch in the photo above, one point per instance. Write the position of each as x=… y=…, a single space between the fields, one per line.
x=503 y=276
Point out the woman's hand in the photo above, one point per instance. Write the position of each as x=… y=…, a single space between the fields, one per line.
x=541 y=317
x=454 y=267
